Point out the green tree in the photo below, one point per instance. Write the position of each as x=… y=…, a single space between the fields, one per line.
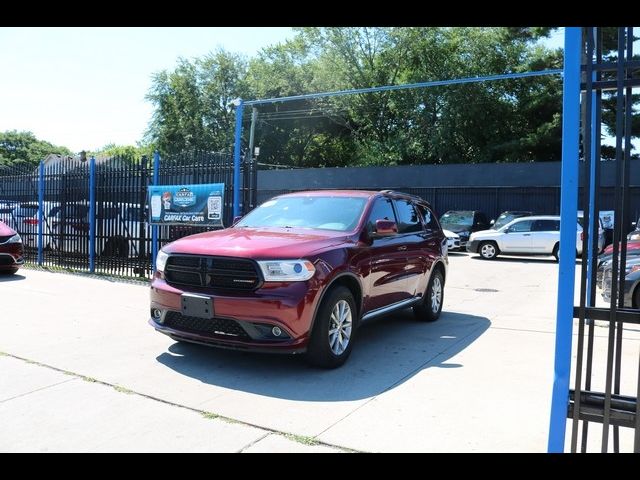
x=192 y=103
x=24 y=149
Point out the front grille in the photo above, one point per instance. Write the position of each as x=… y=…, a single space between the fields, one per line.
x=214 y=326
x=216 y=272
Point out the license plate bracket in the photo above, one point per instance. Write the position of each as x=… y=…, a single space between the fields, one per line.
x=197 y=305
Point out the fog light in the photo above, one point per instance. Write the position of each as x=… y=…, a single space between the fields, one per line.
x=156 y=313
x=276 y=331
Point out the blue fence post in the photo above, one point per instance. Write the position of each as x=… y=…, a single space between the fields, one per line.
x=568 y=228
x=40 y=213
x=92 y=215
x=154 y=228
x=236 y=159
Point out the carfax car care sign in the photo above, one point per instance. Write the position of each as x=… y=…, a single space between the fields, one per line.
x=187 y=204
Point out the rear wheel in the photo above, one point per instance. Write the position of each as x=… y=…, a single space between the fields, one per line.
x=556 y=251
x=488 y=250
x=333 y=330
x=10 y=271
x=429 y=308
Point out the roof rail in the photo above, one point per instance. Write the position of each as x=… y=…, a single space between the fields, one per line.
x=402 y=194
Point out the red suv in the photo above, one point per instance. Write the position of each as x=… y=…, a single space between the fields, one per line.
x=300 y=272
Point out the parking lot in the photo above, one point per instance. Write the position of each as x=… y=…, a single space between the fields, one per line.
x=478 y=380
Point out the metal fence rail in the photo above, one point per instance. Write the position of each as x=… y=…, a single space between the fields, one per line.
x=95 y=213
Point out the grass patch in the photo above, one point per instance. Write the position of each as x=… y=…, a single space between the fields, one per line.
x=120 y=389
x=88 y=379
x=210 y=415
x=302 y=439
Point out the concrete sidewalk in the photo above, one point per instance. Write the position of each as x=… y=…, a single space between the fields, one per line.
x=44 y=410
x=479 y=379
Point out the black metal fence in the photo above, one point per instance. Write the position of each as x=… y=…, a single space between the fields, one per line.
x=602 y=402
x=123 y=236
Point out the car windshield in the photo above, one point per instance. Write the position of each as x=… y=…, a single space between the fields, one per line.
x=462 y=219
x=324 y=213
x=503 y=220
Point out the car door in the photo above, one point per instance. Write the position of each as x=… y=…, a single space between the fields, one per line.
x=545 y=233
x=517 y=238
x=417 y=241
x=386 y=278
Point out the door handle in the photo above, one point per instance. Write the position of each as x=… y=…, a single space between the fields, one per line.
x=526 y=234
x=402 y=248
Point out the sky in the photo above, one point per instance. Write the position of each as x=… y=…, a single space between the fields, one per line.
x=84 y=87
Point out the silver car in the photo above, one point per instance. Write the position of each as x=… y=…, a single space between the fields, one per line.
x=539 y=235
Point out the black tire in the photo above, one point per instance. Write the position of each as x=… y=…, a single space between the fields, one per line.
x=116 y=247
x=327 y=350
x=556 y=252
x=636 y=298
x=428 y=310
x=488 y=250
x=11 y=271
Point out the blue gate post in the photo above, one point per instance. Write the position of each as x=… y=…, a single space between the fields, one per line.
x=568 y=228
x=154 y=228
x=236 y=158
x=92 y=215
x=40 y=213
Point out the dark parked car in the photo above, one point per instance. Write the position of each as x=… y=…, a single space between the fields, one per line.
x=506 y=217
x=300 y=272
x=631 y=283
x=11 y=249
x=464 y=223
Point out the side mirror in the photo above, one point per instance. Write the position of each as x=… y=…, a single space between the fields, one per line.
x=492 y=222
x=507 y=230
x=384 y=228
x=236 y=219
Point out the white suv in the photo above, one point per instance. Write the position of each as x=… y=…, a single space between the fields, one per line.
x=539 y=235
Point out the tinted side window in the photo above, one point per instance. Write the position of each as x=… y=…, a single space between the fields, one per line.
x=408 y=219
x=382 y=210
x=429 y=218
x=523 y=226
x=546 y=226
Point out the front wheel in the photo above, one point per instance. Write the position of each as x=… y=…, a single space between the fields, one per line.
x=556 y=252
x=430 y=307
x=333 y=330
x=488 y=250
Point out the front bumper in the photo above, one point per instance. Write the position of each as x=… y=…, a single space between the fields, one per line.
x=242 y=320
x=11 y=256
x=472 y=246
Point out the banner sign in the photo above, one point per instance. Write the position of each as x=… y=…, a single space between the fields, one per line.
x=200 y=204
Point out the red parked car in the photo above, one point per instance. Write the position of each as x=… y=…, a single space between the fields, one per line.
x=11 y=249
x=300 y=272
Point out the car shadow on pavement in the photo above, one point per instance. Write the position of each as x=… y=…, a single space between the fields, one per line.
x=387 y=352
x=11 y=278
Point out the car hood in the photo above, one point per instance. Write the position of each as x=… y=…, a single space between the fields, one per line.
x=456 y=228
x=630 y=246
x=258 y=243
x=5 y=231
x=486 y=234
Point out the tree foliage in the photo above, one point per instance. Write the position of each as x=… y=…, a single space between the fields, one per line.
x=24 y=149
x=503 y=121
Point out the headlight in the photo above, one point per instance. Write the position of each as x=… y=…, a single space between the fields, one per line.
x=161 y=261
x=15 y=239
x=287 y=270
